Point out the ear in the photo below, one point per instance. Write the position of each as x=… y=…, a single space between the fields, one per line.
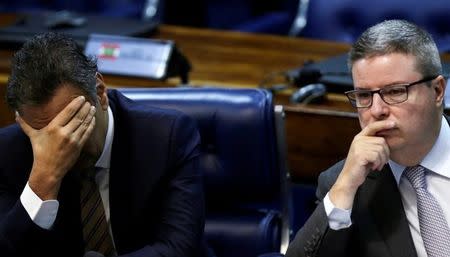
x=439 y=88
x=102 y=95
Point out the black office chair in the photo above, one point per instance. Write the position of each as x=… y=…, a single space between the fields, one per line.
x=242 y=139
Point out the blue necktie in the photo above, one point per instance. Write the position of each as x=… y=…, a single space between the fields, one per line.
x=433 y=226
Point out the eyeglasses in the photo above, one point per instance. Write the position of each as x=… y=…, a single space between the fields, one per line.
x=395 y=94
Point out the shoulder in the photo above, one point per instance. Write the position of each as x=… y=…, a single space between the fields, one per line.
x=10 y=131
x=11 y=138
x=328 y=177
x=17 y=155
x=142 y=122
x=124 y=107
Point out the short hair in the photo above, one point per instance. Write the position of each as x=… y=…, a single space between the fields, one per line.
x=45 y=63
x=398 y=36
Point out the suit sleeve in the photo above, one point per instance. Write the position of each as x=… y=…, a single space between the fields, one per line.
x=17 y=231
x=181 y=229
x=316 y=238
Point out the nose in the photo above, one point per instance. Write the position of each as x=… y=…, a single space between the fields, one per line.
x=379 y=108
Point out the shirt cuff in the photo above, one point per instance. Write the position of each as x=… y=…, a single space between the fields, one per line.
x=42 y=213
x=337 y=218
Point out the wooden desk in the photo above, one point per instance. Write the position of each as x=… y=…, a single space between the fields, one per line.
x=229 y=58
x=316 y=139
x=233 y=59
x=242 y=59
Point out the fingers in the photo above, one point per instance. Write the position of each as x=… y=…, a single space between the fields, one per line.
x=371 y=142
x=86 y=126
x=377 y=155
x=373 y=128
x=74 y=121
x=386 y=156
x=24 y=125
x=87 y=133
x=83 y=116
x=367 y=152
x=69 y=111
x=371 y=151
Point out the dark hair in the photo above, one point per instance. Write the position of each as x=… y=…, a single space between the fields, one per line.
x=398 y=36
x=43 y=64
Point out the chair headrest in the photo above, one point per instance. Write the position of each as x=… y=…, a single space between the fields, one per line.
x=237 y=135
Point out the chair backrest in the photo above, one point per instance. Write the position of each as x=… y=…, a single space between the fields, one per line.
x=242 y=169
x=345 y=20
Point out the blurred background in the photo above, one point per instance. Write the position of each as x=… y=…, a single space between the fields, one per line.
x=248 y=15
x=337 y=20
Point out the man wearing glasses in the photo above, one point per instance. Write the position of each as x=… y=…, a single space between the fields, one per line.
x=390 y=196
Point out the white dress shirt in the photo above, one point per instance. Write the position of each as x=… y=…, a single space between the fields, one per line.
x=43 y=213
x=438 y=184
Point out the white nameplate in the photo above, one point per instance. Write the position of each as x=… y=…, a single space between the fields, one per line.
x=129 y=56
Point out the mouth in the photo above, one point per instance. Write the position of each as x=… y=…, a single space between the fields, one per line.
x=385 y=132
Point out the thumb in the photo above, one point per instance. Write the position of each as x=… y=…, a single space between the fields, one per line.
x=25 y=127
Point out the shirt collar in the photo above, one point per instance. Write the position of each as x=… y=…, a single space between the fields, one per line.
x=105 y=157
x=437 y=160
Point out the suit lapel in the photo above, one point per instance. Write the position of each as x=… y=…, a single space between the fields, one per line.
x=124 y=189
x=118 y=181
x=387 y=208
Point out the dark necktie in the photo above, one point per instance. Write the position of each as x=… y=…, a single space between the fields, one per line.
x=95 y=227
x=433 y=226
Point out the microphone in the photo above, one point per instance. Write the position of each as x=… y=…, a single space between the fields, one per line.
x=311 y=75
x=93 y=254
x=307 y=75
x=312 y=93
x=308 y=80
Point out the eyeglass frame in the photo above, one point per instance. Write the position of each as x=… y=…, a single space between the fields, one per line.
x=379 y=91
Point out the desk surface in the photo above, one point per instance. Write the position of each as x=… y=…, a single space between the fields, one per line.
x=233 y=59
x=230 y=58
x=243 y=59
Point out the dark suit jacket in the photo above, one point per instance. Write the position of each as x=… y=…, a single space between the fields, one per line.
x=156 y=197
x=379 y=226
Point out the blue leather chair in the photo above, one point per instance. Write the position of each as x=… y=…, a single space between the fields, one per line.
x=243 y=161
x=345 y=20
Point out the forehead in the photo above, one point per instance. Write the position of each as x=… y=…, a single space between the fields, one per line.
x=378 y=71
x=38 y=116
